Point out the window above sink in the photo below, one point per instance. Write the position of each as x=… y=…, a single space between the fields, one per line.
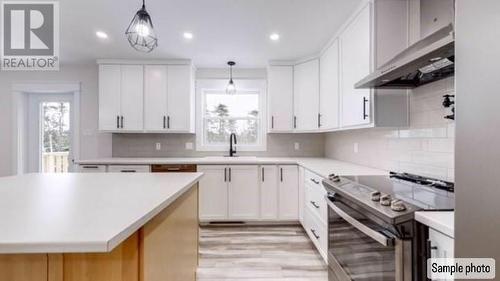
x=219 y=114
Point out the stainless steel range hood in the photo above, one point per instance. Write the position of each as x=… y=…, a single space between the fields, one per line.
x=428 y=60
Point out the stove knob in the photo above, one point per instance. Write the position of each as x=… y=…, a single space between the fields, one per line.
x=375 y=196
x=334 y=178
x=385 y=200
x=398 y=205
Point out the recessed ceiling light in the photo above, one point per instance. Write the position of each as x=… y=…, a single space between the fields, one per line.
x=188 y=35
x=101 y=34
x=274 y=37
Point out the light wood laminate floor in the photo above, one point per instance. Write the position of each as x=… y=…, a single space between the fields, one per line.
x=262 y=253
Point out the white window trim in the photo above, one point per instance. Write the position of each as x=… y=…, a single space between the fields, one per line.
x=217 y=84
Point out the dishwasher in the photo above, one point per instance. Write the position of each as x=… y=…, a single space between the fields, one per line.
x=173 y=168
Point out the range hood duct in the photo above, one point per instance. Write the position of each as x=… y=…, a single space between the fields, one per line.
x=428 y=60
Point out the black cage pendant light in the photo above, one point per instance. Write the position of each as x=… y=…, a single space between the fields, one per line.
x=140 y=32
x=231 y=88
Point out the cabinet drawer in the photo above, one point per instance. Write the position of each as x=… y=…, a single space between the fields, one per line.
x=315 y=200
x=92 y=168
x=313 y=179
x=317 y=231
x=128 y=169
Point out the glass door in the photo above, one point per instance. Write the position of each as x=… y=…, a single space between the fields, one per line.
x=51 y=133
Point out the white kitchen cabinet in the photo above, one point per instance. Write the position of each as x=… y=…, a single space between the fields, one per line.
x=301 y=194
x=269 y=192
x=169 y=98
x=442 y=246
x=306 y=96
x=131 y=101
x=129 y=169
x=213 y=193
x=180 y=99
x=288 y=192
x=155 y=97
x=355 y=56
x=146 y=98
x=280 y=98
x=109 y=97
x=329 y=78
x=121 y=97
x=244 y=196
x=91 y=169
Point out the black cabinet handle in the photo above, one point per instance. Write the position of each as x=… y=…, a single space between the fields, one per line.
x=229 y=174
x=117 y=122
x=314 y=233
x=365 y=100
x=263 y=175
x=164 y=122
x=225 y=174
x=128 y=171
x=315 y=205
x=281 y=174
x=90 y=167
x=168 y=122
x=272 y=122
x=295 y=122
x=122 y=121
x=319 y=120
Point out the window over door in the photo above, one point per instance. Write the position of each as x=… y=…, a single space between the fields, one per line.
x=220 y=114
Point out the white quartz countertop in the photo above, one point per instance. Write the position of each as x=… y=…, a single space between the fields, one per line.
x=440 y=221
x=61 y=213
x=320 y=166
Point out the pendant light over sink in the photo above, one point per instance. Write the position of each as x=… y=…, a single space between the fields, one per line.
x=231 y=88
x=140 y=32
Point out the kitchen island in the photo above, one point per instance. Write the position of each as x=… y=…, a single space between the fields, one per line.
x=93 y=227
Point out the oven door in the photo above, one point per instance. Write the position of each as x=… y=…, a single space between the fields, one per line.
x=358 y=248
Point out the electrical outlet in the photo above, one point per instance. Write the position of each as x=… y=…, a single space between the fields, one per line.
x=297 y=146
x=356 y=147
x=158 y=146
x=189 y=146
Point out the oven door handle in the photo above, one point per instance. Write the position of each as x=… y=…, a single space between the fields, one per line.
x=375 y=235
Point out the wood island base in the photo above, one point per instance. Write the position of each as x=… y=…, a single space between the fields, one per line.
x=165 y=249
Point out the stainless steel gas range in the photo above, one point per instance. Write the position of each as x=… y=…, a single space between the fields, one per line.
x=372 y=232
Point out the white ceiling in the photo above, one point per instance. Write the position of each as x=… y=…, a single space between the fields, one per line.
x=223 y=29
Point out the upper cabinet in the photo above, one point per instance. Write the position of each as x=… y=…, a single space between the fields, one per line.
x=138 y=97
x=324 y=96
x=280 y=98
x=168 y=98
x=329 y=78
x=355 y=51
x=120 y=97
x=306 y=96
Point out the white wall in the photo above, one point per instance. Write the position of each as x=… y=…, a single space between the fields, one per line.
x=477 y=223
x=92 y=143
x=424 y=148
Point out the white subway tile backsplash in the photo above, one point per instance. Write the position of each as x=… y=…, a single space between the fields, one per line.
x=426 y=147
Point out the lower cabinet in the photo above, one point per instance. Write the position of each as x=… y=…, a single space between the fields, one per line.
x=248 y=193
x=442 y=246
x=315 y=212
x=129 y=169
x=288 y=193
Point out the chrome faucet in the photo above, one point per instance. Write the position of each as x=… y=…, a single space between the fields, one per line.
x=232 y=149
